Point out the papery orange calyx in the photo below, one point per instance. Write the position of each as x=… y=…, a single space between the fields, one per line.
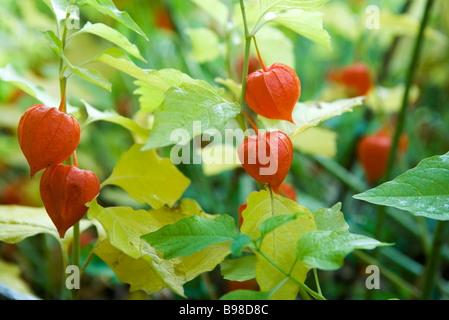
x=373 y=151
x=65 y=190
x=267 y=158
x=47 y=136
x=273 y=92
x=355 y=78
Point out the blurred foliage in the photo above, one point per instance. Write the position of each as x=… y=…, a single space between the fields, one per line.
x=168 y=25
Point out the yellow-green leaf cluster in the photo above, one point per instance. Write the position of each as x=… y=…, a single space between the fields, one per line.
x=135 y=262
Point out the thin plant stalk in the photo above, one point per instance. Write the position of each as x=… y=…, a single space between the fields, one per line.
x=287 y=274
x=317 y=281
x=431 y=270
x=248 y=39
x=63 y=108
x=410 y=78
x=405 y=101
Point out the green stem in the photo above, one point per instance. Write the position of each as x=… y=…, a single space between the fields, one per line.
x=410 y=78
x=317 y=281
x=272 y=214
x=296 y=281
x=389 y=54
x=248 y=39
x=304 y=295
x=76 y=255
x=422 y=225
x=228 y=37
x=433 y=261
x=65 y=261
x=209 y=286
x=89 y=258
x=63 y=108
x=405 y=100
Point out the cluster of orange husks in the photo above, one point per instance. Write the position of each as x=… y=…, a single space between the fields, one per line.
x=48 y=137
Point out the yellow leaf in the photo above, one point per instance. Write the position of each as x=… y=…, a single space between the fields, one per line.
x=10 y=277
x=316 y=141
x=137 y=272
x=18 y=223
x=310 y=114
x=280 y=245
x=218 y=158
x=389 y=100
x=135 y=262
x=148 y=178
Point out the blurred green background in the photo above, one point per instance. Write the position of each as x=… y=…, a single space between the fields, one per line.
x=319 y=183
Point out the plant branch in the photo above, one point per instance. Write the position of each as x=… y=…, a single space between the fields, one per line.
x=409 y=81
x=405 y=102
x=248 y=39
x=63 y=108
x=272 y=214
x=433 y=261
x=317 y=281
x=76 y=255
x=296 y=281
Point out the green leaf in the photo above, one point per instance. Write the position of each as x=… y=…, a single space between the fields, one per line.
x=300 y=16
x=282 y=5
x=275 y=222
x=186 y=104
x=270 y=37
x=310 y=114
x=90 y=75
x=147 y=178
x=111 y=35
x=135 y=262
x=117 y=59
x=139 y=273
x=152 y=88
x=240 y=269
x=8 y=74
x=205 y=44
x=60 y=7
x=246 y=295
x=191 y=234
x=423 y=191
x=96 y=115
x=215 y=8
x=308 y=24
x=316 y=141
x=53 y=41
x=279 y=245
x=326 y=250
x=231 y=86
x=124 y=226
x=108 y=8
x=239 y=243
x=330 y=219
